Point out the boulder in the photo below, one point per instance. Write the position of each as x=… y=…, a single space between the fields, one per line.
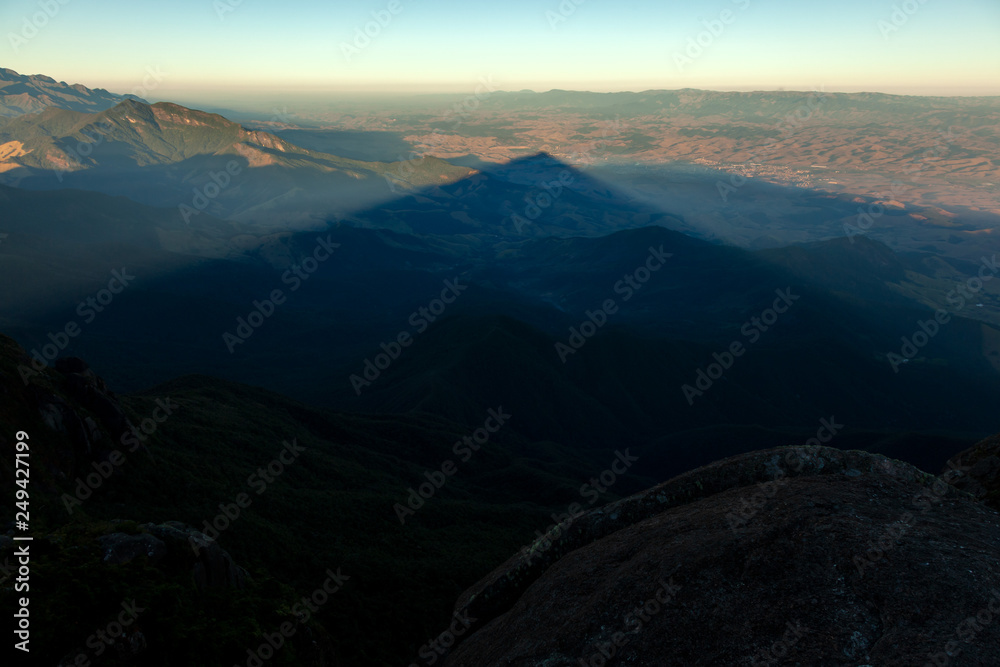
x=210 y=565
x=977 y=471
x=804 y=556
x=120 y=548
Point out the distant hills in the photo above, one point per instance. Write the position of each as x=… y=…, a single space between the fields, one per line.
x=918 y=151
x=712 y=102
x=21 y=94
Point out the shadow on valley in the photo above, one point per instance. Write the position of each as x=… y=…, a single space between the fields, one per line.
x=481 y=307
x=366 y=146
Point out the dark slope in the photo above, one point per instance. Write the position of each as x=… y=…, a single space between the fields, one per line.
x=331 y=508
x=826 y=354
x=867 y=271
x=758 y=559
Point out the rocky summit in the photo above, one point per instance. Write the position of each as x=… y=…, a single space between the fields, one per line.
x=790 y=556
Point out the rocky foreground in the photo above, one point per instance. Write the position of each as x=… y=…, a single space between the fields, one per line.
x=805 y=556
x=791 y=556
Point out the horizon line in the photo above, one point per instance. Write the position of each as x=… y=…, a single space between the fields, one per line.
x=405 y=90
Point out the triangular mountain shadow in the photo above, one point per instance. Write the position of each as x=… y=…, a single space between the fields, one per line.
x=535 y=196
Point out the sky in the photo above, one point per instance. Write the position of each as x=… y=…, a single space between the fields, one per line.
x=208 y=49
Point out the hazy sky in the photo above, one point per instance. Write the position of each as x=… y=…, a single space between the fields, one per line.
x=944 y=47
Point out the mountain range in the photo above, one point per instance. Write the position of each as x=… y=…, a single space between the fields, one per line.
x=166 y=155
x=21 y=94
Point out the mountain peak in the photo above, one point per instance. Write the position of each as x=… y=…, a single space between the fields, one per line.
x=21 y=94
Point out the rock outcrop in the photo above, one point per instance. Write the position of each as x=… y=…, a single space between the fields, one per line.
x=977 y=471
x=211 y=566
x=83 y=419
x=807 y=556
x=176 y=547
